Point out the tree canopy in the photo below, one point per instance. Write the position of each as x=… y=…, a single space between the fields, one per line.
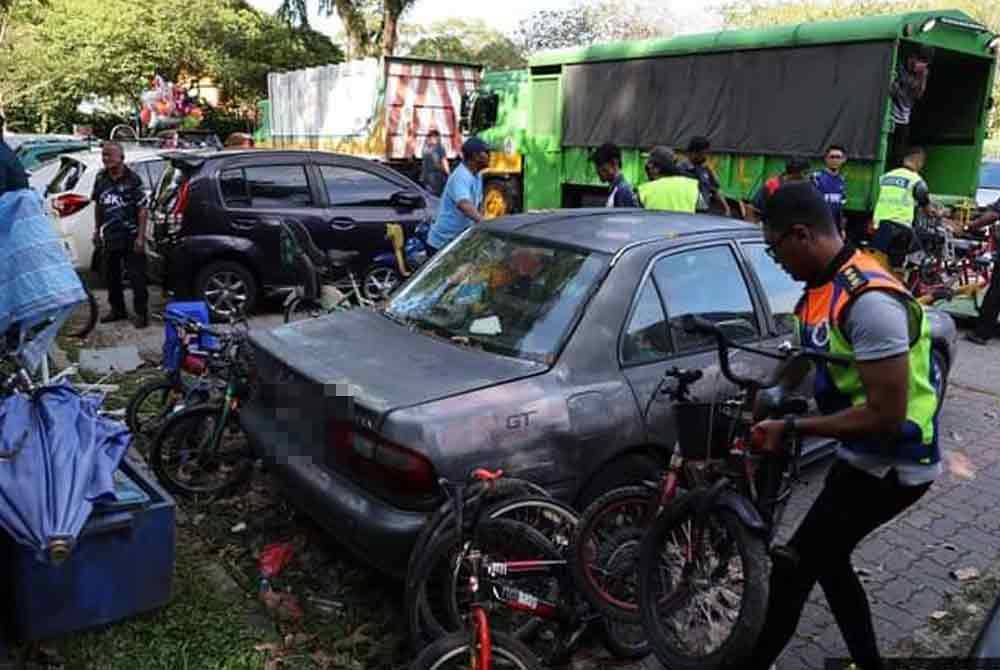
x=371 y=27
x=594 y=22
x=470 y=41
x=67 y=51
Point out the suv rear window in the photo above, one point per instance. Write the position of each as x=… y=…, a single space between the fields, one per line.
x=67 y=177
x=266 y=186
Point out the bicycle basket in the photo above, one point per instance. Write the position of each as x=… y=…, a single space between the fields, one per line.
x=696 y=420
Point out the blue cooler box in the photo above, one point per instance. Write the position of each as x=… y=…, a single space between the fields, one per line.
x=122 y=565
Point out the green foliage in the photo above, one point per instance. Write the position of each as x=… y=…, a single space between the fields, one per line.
x=593 y=22
x=371 y=27
x=72 y=50
x=463 y=41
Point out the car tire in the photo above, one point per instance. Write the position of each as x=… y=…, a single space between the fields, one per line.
x=626 y=470
x=939 y=365
x=228 y=288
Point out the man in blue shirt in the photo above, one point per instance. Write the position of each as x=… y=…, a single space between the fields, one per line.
x=12 y=175
x=607 y=160
x=830 y=182
x=462 y=197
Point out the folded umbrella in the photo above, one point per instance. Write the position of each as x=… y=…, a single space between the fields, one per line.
x=57 y=457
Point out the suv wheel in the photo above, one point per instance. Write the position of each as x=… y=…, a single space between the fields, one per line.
x=228 y=288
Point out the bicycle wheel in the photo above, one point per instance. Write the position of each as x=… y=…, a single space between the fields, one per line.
x=82 y=320
x=299 y=309
x=514 y=498
x=605 y=525
x=150 y=405
x=194 y=455
x=703 y=587
x=625 y=640
x=441 y=580
x=457 y=652
x=507 y=540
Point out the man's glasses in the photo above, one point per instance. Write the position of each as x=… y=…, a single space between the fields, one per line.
x=772 y=249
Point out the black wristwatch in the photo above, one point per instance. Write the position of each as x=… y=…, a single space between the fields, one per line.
x=791 y=427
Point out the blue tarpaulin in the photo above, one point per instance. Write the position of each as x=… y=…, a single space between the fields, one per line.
x=57 y=457
x=37 y=280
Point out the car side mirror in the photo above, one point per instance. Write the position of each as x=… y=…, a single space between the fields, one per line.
x=737 y=329
x=407 y=200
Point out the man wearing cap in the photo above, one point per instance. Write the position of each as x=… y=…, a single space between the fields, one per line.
x=880 y=405
x=669 y=189
x=697 y=166
x=462 y=197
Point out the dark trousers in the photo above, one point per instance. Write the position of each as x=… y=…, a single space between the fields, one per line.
x=987 y=323
x=135 y=264
x=900 y=143
x=851 y=505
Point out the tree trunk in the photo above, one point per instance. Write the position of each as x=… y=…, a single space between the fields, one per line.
x=355 y=28
x=390 y=26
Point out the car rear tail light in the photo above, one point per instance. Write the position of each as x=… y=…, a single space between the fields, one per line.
x=399 y=469
x=175 y=219
x=69 y=204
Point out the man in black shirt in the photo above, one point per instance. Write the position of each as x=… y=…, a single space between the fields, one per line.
x=12 y=175
x=120 y=224
x=697 y=166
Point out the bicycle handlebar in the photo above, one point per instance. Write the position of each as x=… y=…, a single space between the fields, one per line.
x=790 y=356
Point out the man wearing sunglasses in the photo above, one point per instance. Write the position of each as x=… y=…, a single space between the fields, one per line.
x=880 y=406
x=830 y=182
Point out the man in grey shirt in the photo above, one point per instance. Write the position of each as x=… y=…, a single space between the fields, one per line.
x=880 y=405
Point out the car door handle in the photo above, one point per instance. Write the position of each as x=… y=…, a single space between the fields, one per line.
x=244 y=223
x=342 y=223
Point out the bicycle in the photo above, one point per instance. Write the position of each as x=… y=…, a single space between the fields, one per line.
x=330 y=283
x=703 y=566
x=184 y=383
x=533 y=598
x=200 y=451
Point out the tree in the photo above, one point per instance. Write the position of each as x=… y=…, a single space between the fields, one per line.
x=371 y=26
x=470 y=41
x=594 y=22
x=82 y=49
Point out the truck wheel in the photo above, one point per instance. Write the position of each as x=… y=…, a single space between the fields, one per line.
x=498 y=198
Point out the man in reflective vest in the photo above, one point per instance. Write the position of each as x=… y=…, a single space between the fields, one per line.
x=881 y=407
x=901 y=191
x=669 y=189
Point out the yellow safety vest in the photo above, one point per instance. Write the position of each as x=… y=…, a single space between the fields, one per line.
x=670 y=194
x=895 y=199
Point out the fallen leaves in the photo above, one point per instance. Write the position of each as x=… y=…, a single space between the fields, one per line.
x=239 y=528
x=965 y=574
x=938 y=615
x=959 y=465
x=283 y=606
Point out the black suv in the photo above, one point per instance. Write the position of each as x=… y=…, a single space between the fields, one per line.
x=215 y=234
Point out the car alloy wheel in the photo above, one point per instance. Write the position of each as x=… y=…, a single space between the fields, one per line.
x=379 y=282
x=226 y=293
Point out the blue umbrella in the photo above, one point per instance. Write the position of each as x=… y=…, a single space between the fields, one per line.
x=57 y=457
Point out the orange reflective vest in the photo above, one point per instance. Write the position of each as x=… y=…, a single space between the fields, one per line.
x=820 y=313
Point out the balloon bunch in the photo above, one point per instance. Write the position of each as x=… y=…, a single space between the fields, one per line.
x=166 y=105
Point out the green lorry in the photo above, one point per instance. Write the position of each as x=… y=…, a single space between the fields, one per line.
x=760 y=95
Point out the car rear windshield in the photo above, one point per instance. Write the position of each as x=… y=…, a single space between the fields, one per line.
x=67 y=177
x=501 y=294
x=170 y=185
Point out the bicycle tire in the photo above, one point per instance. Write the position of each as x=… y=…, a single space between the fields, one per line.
x=434 y=613
x=587 y=551
x=133 y=417
x=183 y=425
x=622 y=643
x=508 y=653
x=83 y=319
x=503 y=539
x=299 y=309
x=443 y=521
x=749 y=620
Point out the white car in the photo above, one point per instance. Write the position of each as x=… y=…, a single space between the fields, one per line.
x=67 y=184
